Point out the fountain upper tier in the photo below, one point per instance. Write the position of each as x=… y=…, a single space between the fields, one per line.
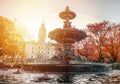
x=67 y=34
x=67 y=14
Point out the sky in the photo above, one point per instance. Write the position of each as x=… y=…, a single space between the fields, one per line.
x=33 y=12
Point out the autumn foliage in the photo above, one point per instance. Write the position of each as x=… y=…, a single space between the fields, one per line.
x=102 y=43
x=11 y=41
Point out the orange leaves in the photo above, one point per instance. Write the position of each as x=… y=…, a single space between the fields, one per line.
x=10 y=40
x=95 y=28
x=103 y=43
x=88 y=50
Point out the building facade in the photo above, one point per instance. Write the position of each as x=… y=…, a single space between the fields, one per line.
x=40 y=50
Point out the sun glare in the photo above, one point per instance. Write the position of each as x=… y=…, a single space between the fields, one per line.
x=32 y=26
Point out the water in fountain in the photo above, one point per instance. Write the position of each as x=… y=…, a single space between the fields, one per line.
x=8 y=77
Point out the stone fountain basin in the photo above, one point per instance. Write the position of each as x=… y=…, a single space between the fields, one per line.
x=72 y=68
x=67 y=35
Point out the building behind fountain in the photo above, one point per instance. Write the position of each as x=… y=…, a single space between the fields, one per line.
x=40 y=51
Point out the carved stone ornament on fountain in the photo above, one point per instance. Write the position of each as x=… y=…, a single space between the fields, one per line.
x=67 y=36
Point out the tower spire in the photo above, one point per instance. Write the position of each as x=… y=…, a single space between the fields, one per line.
x=42 y=33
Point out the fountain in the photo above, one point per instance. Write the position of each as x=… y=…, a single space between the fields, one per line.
x=67 y=36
